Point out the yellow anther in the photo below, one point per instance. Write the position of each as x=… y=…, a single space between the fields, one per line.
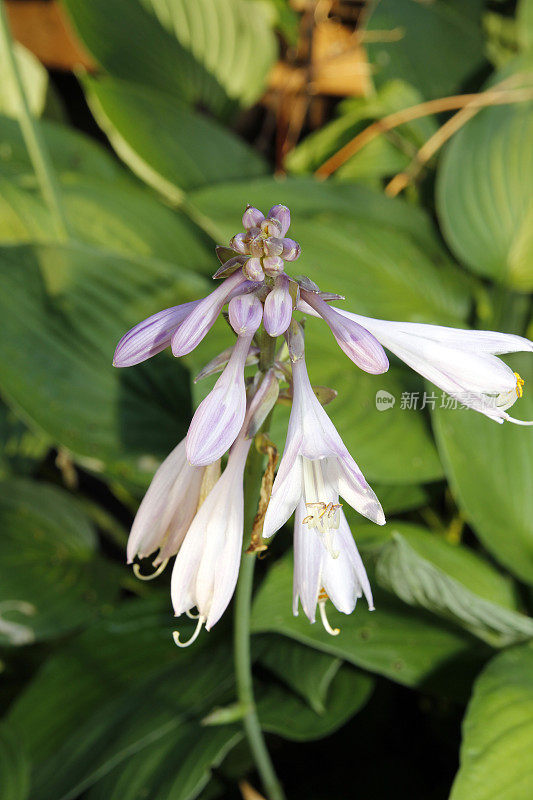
x=519 y=383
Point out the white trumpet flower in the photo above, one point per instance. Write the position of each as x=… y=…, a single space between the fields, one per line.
x=320 y=574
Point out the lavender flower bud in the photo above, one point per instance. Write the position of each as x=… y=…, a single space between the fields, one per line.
x=253 y=269
x=274 y=246
x=252 y=217
x=271 y=227
x=278 y=307
x=262 y=403
x=290 y=249
x=273 y=265
x=282 y=215
x=240 y=243
x=256 y=246
x=295 y=341
x=245 y=314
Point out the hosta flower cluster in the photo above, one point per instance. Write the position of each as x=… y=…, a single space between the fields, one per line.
x=194 y=510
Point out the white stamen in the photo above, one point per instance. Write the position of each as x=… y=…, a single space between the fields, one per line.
x=191 y=615
x=325 y=622
x=193 y=638
x=138 y=574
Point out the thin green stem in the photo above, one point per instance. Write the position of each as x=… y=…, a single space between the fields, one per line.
x=243 y=602
x=33 y=139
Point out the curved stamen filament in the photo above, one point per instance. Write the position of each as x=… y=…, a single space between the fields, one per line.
x=138 y=574
x=191 y=615
x=193 y=638
x=325 y=621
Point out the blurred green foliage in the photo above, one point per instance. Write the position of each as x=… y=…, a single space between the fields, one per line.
x=98 y=704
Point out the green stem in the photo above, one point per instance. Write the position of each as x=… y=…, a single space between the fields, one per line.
x=243 y=602
x=243 y=674
x=35 y=145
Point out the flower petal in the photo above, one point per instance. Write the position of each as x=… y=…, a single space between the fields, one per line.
x=474 y=340
x=278 y=307
x=219 y=417
x=202 y=317
x=151 y=335
x=349 y=482
x=245 y=314
x=308 y=557
x=163 y=503
x=357 y=342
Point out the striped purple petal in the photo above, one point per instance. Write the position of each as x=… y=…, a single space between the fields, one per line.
x=151 y=335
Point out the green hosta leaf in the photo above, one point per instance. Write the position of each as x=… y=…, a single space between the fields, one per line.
x=407 y=48
x=381 y=157
x=50 y=581
x=483 y=196
x=69 y=150
x=14 y=766
x=130 y=43
x=498 y=732
x=122 y=218
x=232 y=39
x=399 y=498
x=165 y=142
x=121 y=697
x=524 y=22
x=213 y=52
x=34 y=77
x=21 y=449
x=307 y=672
x=400 y=643
x=63 y=310
x=178 y=767
x=426 y=571
x=491 y=472
x=286 y=715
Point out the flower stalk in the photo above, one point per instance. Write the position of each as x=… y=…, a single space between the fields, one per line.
x=37 y=150
x=243 y=602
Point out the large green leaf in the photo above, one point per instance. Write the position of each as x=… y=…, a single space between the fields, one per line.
x=122 y=218
x=50 y=581
x=63 y=309
x=130 y=43
x=21 y=449
x=491 y=472
x=70 y=151
x=232 y=39
x=483 y=196
x=307 y=672
x=426 y=571
x=288 y=716
x=121 y=694
x=165 y=142
x=214 y=52
x=400 y=643
x=498 y=732
x=407 y=47
x=14 y=766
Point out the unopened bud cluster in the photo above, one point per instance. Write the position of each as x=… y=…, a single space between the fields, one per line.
x=265 y=243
